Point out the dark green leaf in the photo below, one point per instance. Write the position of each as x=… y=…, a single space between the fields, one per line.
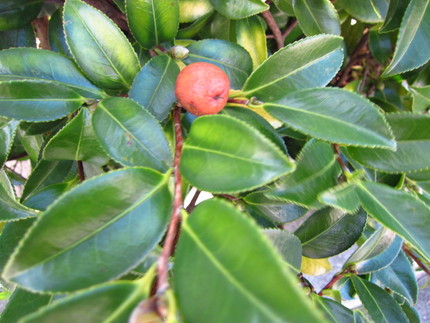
x=334 y=311
x=395 y=13
x=275 y=210
x=222 y=151
x=238 y=9
x=380 y=305
x=108 y=59
x=23 y=37
x=316 y=17
x=154 y=86
x=17 y=13
x=153 y=21
x=370 y=11
x=389 y=206
x=310 y=62
x=285 y=5
x=335 y=115
x=233 y=59
x=7 y=135
x=192 y=30
x=242 y=284
x=413 y=41
x=411 y=313
x=412 y=133
x=288 y=245
x=57 y=39
x=329 y=232
x=125 y=214
x=131 y=135
x=37 y=101
x=380 y=45
x=44 y=197
x=76 y=141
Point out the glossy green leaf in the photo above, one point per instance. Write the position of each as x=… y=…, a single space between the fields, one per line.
x=380 y=305
x=160 y=17
x=389 y=206
x=57 y=39
x=238 y=9
x=275 y=210
x=37 y=101
x=311 y=62
x=334 y=311
x=411 y=313
x=395 y=13
x=412 y=133
x=370 y=11
x=334 y=115
x=7 y=135
x=17 y=13
x=99 y=47
x=421 y=99
x=112 y=302
x=242 y=284
x=231 y=150
x=41 y=128
x=250 y=33
x=22 y=37
x=125 y=214
x=317 y=170
x=44 y=197
x=190 y=31
x=343 y=197
x=329 y=232
x=413 y=41
x=154 y=86
x=316 y=17
x=190 y=10
x=233 y=59
x=76 y=141
x=22 y=303
x=400 y=278
x=380 y=45
x=10 y=208
x=288 y=245
x=131 y=135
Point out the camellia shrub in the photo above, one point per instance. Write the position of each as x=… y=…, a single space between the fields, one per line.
x=285 y=110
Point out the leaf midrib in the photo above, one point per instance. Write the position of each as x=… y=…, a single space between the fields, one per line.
x=372 y=298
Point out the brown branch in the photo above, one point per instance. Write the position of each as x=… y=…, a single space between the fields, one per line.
x=289 y=30
x=238 y=101
x=274 y=27
x=81 y=172
x=40 y=26
x=417 y=261
x=193 y=201
x=333 y=281
x=339 y=158
x=163 y=262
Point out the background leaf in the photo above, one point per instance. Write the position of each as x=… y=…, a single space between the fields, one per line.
x=288 y=245
x=17 y=13
x=238 y=9
x=370 y=11
x=22 y=37
x=190 y=10
x=7 y=135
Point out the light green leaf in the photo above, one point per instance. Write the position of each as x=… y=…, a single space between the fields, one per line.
x=233 y=59
x=288 y=245
x=421 y=98
x=227 y=281
x=17 y=13
x=153 y=21
x=342 y=197
x=310 y=62
x=37 y=101
x=316 y=17
x=334 y=115
x=131 y=135
x=7 y=135
x=44 y=197
x=370 y=11
x=76 y=141
x=285 y=5
x=99 y=47
x=380 y=305
x=154 y=86
x=220 y=153
x=238 y=9
x=413 y=41
x=190 y=10
x=125 y=214
x=389 y=206
x=412 y=133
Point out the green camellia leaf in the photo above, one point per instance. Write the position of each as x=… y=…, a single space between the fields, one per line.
x=22 y=303
x=37 y=100
x=190 y=10
x=190 y=31
x=76 y=141
x=7 y=135
x=389 y=206
x=411 y=312
x=400 y=278
x=17 y=13
x=125 y=214
x=329 y=232
x=22 y=37
x=131 y=135
x=288 y=245
x=285 y=5
x=227 y=282
x=153 y=21
x=10 y=209
x=238 y=9
x=233 y=59
x=316 y=17
x=413 y=41
x=380 y=305
x=44 y=197
x=231 y=150
x=57 y=39
x=99 y=47
x=311 y=62
x=334 y=115
x=111 y=302
x=333 y=310
x=343 y=197
x=370 y=11
x=395 y=13
x=421 y=98
x=154 y=86
x=380 y=45
x=317 y=170
x=412 y=133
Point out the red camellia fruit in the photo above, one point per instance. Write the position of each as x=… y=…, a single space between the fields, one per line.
x=202 y=88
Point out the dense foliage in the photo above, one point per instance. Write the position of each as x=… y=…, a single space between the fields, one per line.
x=327 y=120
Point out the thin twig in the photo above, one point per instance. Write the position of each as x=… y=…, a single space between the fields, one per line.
x=417 y=261
x=81 y=172
x=333 y=281
x=339 y=158
x=193 y=201
x=289 y=30
x=238 y=101
x=163 y=262
x=274 y=27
